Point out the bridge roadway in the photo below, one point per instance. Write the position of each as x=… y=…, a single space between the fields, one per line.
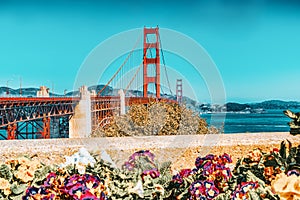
x=19 y=114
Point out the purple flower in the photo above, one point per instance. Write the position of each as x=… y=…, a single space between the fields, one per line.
x=197 y=186
x=227 y=173
x=199 y=161
x=242 y=189
x=253 y=184
x=149 y=154
x=226 y=158
x=182 y=174
x=203 y=190
x=177 y=178
x=31 y=191
x=209 y=157
x=142 y=153
x=220 y=166
x=185 y=172
x=208 y=168
x=89 y=178
x=76 y=188
x=73 y=180
x=294 y=171
x=49 y=179
x=154 y=173
x=210 y=189
x=130 y=164
x=88 y=196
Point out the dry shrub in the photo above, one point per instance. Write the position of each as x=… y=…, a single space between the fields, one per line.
x=156 y=119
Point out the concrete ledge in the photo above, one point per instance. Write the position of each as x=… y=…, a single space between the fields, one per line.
x=181 y=150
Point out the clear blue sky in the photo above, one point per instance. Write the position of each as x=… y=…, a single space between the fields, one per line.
x=255 y=44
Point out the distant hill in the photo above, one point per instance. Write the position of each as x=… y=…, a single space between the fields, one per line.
x=190 y=103
x=16 y=92
x=31 y=92
x=236 y=107
x=276 y=104
x=249 y=107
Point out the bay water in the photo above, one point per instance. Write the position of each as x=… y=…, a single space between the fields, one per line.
x=267 y=121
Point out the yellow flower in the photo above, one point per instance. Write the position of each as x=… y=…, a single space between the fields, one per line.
x=7 y=191
x=78 y=193
x=25 y=174
x=81 y=168
x=12 y=162
x=89 y=184
x=255 y=155
x=197 y=185
x=24 y=161
x=4 y=184
x=159 y=188
x=288 y=187
x=208 y=185
x=211 y=193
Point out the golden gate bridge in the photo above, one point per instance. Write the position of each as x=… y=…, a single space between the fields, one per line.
x=30 y=117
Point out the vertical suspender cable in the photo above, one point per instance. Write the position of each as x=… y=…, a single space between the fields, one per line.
x=99 y=93
x=162 y=53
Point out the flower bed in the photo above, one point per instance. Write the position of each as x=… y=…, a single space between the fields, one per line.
x=258 y=175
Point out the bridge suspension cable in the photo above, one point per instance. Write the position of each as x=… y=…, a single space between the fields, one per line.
x=163 y=59
x=119 y=69
x=136 y=72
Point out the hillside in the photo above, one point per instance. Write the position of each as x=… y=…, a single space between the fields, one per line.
x=276 y=104
x=16 y=92
x=190 y=103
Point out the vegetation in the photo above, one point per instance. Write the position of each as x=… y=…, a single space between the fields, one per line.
x=258 y=175
x=156 y=119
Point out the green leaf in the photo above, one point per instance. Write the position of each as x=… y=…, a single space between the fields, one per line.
x=253 y=195
x=18 y=189
x=282 y=150
x=223 y=196
x=42 y=173
x=251 y=177
x=16 y=197
x=5 y=172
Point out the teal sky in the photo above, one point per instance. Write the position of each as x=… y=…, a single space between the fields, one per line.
x=255 y=44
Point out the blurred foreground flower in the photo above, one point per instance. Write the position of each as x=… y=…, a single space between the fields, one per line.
x=287 y=187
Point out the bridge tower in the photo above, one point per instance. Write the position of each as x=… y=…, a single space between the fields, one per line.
x=149 y=62
x=179 y=90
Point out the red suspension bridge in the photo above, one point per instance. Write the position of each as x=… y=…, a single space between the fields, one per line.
x=33 y=117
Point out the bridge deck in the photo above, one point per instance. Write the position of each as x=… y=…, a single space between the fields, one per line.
x=16 y=110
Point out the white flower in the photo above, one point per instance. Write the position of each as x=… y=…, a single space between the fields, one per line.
x=81 y=168
x=85 y=157
x=82 y=157
x=138 y=189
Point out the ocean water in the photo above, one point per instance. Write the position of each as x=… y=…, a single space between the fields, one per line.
x=269 y=121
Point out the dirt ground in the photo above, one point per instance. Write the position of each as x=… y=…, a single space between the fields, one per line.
x=181 y=150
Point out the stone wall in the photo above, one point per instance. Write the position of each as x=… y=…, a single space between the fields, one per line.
x=181 y=150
